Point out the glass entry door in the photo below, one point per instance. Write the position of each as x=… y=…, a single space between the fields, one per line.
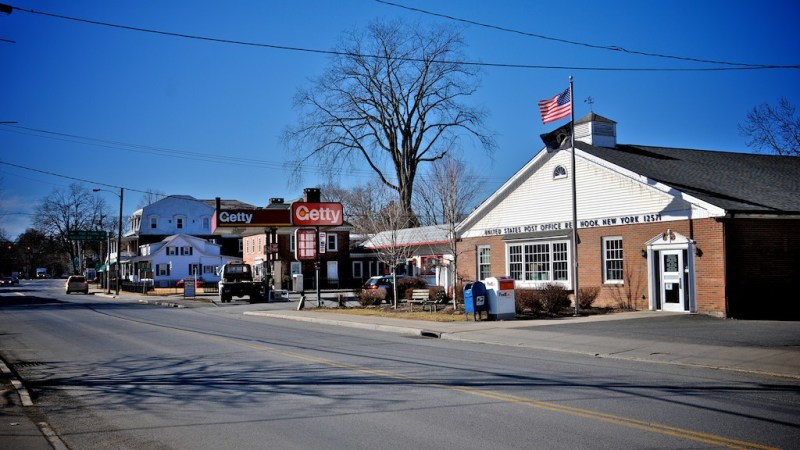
x=672 y=289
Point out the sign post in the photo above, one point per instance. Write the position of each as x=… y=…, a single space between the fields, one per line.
x=317 y=214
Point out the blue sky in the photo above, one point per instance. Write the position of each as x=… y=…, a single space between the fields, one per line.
x=145 y=111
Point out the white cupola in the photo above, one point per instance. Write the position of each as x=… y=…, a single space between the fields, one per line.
x=596 y=130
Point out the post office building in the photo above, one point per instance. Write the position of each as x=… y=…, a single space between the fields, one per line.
x=664 y=229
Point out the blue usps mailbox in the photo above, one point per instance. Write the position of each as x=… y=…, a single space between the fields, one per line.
x=475 y=299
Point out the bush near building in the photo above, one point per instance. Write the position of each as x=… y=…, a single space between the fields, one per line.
x=550 y=299
x=588 y=296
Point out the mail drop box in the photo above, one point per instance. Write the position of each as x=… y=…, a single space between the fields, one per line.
x=500 y=293
x=475 y=301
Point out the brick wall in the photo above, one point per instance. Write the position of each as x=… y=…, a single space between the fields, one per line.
x=709 y=264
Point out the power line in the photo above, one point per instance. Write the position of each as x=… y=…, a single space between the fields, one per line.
x=195 y=156
x=71 y=178
x=173 y=153
x=584 y=44
x=466 y=63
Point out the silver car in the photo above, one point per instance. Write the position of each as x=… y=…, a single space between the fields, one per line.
x=77 y=283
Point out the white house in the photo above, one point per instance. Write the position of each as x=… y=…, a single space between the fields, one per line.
x=173 y=215
x=179 y=256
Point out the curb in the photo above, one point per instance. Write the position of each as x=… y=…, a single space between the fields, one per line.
x=460 y=336
x=344 y=323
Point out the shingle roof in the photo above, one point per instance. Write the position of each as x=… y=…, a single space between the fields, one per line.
x=428 y=235
x=737 y=182
x=229 y=204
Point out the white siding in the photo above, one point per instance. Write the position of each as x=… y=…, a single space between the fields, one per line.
x=167 y=210
x=602 y=192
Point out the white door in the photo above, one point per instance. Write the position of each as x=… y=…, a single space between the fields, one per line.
x=672 y=289
x=333 y=271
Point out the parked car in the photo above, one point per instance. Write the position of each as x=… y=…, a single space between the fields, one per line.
x=77 y=283
x=383 y=284
x=6 y=281
x=198 y=283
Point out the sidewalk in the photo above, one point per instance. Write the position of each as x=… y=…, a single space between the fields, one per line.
x=605 y=336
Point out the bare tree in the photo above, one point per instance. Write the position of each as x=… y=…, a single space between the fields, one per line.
x=627 y=294
x=773 y=129
x=74 y=208
x=392 y=98
x=450 y=190
x=149 y=197
x=380 y=221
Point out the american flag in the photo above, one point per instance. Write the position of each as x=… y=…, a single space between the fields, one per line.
x=557 y=107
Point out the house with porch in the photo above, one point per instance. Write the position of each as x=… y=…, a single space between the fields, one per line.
x=170 y=216
x=176 y=257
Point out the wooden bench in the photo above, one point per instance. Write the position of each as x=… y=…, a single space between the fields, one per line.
x=422 y=297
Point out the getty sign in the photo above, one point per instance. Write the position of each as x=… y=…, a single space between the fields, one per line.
x=308 y=214
x=303 y=214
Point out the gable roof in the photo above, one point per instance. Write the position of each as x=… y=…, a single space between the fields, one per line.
x=409 y=237
x=736 y=182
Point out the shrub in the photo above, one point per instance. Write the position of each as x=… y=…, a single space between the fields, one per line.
x=527 y=299
x=553 y=298
x=369 y=297
x=588 y=296
x=406 y=285
x=438 y=293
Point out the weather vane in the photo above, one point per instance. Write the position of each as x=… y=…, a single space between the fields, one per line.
x=590 y=101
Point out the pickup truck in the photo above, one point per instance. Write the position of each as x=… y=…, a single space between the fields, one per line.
x=236 y=280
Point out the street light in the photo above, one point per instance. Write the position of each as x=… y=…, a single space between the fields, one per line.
x=119 y=234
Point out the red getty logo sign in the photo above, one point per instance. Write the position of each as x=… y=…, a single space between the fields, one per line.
x=316 y=214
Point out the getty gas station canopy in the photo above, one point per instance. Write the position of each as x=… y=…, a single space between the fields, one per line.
x=278 y=216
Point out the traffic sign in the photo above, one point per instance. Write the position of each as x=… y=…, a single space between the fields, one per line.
x=87 y=235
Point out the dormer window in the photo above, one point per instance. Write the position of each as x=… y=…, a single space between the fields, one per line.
x=559 y=172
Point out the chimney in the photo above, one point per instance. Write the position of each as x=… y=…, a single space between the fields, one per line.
x=311 y=195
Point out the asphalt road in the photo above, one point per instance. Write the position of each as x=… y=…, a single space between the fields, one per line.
x=117 y=374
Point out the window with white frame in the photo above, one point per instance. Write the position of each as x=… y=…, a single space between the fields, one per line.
x=291 y=242
x=539 y=261
x=612 y=259
x=172 y=250
x=333 y=242
x=358 y=270
x=154 y=222
x=484 y=262
x=206 y=223
x=179 y=223
x=560 y=261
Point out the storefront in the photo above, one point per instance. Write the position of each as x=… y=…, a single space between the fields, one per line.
x=653 y=224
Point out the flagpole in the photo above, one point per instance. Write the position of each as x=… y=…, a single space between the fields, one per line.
x=576 y=289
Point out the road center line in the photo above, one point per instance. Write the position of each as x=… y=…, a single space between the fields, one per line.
x=665 y=430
